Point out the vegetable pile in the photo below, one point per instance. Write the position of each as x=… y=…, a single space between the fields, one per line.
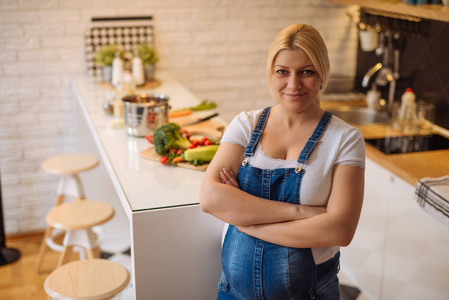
x=169 y=136
x=174 y=145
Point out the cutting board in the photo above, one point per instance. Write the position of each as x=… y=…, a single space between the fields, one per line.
x=151 y=154
x=209 y=128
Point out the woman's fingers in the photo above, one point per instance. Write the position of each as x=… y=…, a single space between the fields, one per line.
x=229 y=178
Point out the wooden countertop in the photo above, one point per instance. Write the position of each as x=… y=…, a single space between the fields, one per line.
x=409 y=166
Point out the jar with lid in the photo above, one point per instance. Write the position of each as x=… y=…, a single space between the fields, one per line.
x=109 y=101
x=126 y=86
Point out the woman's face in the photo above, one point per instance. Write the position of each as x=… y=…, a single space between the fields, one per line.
x=295 y=80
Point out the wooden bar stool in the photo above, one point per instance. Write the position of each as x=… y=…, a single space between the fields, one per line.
x=77 y=219
x=67 y=166
x=87 y=279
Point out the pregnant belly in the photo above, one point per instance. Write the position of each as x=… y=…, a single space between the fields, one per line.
x=253 y=266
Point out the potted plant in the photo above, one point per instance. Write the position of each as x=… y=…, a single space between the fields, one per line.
x=149 y=57
x=105 y=56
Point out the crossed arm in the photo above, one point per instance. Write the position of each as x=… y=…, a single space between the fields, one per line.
x=278 y=222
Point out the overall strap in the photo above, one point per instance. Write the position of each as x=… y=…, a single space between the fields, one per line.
x=257 y=132
x=313 y=140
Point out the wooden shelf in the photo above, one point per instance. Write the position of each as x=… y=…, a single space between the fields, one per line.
x=429 y=11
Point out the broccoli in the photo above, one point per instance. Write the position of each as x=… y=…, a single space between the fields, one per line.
x=168 y=137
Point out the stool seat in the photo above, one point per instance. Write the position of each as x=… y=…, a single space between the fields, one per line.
x=79 y=215
x=87 y=279
x=70 y=163
x=78 y=219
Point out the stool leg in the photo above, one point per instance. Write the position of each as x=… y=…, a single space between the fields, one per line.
x=65 y=256
x=79 y=186
x=59 y=199
x=85 y=238
x=68 y=185
x=42 y=248
x=47 y=234
x=71 y=186
x=93 y=253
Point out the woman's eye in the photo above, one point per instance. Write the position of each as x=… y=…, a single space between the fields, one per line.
x=308 y=72
x=281 y=72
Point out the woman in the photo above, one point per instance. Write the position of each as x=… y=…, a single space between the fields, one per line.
x=309 y=163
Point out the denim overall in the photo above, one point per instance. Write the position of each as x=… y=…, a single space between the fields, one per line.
x=255 y=269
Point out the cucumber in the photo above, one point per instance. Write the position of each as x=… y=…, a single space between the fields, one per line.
x=203 y=153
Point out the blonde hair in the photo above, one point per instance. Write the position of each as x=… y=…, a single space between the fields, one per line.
x=308 y=39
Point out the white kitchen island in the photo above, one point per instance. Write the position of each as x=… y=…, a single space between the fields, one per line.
x=175 y=248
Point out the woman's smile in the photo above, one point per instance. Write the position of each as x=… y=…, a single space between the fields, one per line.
x=294 y=94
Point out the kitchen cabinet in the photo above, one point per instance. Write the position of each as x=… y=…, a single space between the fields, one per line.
x=175 y=247
x=433 y=12
x=399 y=251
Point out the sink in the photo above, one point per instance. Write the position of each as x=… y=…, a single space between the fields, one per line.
x=359 y=115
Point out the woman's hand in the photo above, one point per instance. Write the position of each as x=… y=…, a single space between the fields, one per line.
x=221 y=196
x=334 y=226
x=229 y=178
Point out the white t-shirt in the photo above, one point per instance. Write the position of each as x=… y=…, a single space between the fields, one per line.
x=340 y=144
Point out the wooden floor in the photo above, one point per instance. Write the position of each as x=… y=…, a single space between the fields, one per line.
x=19 y=280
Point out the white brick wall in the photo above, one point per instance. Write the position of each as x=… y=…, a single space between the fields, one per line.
x=217 y=49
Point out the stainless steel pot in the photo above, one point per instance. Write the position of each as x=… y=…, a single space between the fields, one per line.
x=144 y=113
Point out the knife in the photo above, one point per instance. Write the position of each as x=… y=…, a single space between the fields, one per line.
x=201 y=120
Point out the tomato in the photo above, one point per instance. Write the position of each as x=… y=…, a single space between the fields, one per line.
x=207 y=143
x=163 y=160
x=149 y=138
x=195 y=143
x=179 y=151
x=185 y=133
x=204 y=140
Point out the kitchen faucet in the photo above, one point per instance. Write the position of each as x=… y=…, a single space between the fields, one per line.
x=384 y=76
x=370 y=74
